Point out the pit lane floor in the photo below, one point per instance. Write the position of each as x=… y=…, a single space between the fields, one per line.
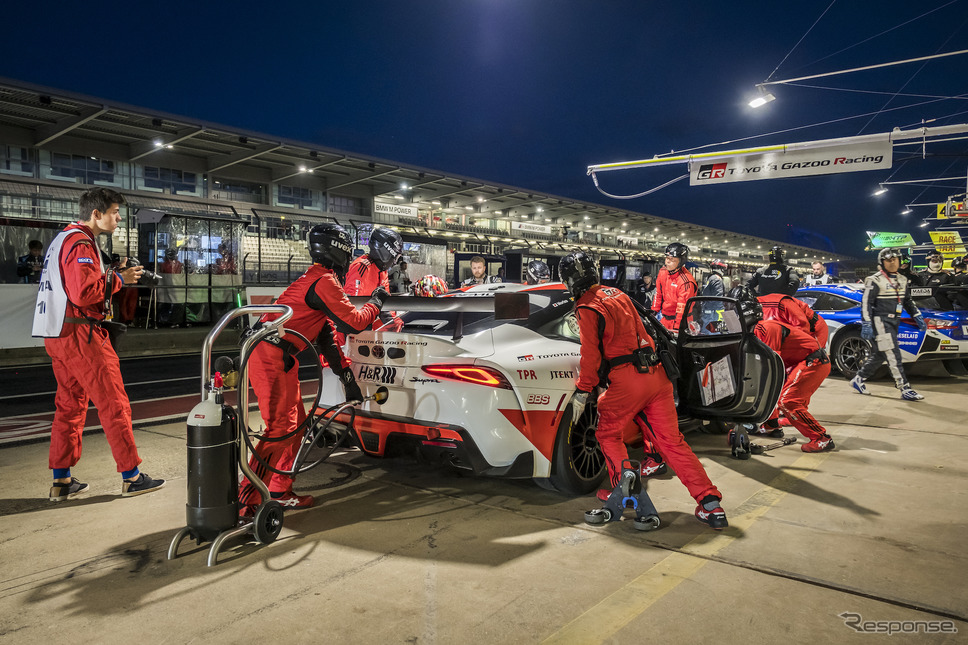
x=871 y=534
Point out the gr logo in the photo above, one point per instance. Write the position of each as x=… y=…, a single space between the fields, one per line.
x=712 y=171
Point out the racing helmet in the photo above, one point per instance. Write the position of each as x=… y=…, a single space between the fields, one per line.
x=887 y=254
x=959 y=264
x=537 y=272
x=677 y=250
x=935 y=256
x=777 y=255
x=429 y=286
x=718 y=265
x=386 y=245
x=578 y=272
x=331 y=246
x=749 y=307
x=171 y=253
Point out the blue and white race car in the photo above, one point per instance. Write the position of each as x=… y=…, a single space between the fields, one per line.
x=839 y=305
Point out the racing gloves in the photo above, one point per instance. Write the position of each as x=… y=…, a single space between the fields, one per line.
x=378 y=297
x=578 y=403
x=919 y=321
x=867 y=330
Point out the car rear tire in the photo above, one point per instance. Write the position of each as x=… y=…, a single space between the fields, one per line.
x=578 y=465
x=849 y=351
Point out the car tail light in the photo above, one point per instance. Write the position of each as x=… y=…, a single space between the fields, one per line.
x=469 y=374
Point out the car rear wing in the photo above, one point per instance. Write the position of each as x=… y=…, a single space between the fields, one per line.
x=504 y=306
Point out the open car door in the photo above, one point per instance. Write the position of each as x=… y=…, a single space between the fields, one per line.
x=725 y=371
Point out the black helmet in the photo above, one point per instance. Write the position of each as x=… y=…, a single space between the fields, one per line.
x=537 y=272
x=749 y=307
x=777 y=254
x=578 y=272
x=959 y=264
x=171 y=253
x=935 y=256
x=386 y=245
x=888 y=254
x=905 y=256
x=677 y=250
x=331 y=246
x=718 y=265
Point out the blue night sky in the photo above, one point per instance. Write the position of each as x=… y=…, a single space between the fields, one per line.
x=530 y=92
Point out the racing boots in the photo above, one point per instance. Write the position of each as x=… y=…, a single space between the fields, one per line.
x=289 y=499
x=822 y=443
x=858 y=384
x=910 y=395
x=710 y=512
x=653 y=466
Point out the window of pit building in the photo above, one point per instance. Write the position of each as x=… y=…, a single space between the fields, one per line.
x=169 y=181
x=238 y=191
x=15 y=160
x=348 y=205
x=89 y=170
x=296 y=196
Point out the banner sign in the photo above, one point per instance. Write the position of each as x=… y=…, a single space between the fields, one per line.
x=880 y=240
x=395 y=209
x=957 y=208
x=625 y=239
x=531 y=228
x=780 y=164
x=948 y=243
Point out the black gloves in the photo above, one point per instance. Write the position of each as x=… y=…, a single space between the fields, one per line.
x=378 y=297
x=352 y=390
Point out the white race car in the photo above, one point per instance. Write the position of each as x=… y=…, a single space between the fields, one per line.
x=483 y=379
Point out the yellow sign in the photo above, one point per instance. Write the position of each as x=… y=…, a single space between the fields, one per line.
x=948 y=243
x=943 y=212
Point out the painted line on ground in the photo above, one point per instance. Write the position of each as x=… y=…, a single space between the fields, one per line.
x=602 y=621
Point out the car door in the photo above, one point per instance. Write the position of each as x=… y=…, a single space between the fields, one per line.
x=725 y=371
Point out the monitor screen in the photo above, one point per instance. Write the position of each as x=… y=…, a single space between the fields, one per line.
x=608 y=273
x=633 y=273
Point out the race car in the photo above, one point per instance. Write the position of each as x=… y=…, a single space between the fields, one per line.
x=839 y=305
x=483 y=379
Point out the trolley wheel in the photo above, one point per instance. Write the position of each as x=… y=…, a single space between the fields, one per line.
x=267 y=523
x=598 y=516
x=756 y=449
x=646 y=523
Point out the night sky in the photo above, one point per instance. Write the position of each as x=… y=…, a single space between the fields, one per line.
x=530 y=92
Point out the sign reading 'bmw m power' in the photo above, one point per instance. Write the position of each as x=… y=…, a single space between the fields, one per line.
x=790 y=162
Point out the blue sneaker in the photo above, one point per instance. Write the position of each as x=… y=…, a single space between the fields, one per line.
x=858 y=384
x=910 y=395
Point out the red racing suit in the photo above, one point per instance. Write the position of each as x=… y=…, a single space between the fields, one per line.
x=807 y=366
x=610 y=329
x=316 y=299
x=362 y=278
x=672 y=290
x=794 y=313
x=85 y=365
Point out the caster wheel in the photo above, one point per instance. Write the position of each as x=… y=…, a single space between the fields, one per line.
x=756 y=449
x=267 y=523
x=646 y=523
x=598 y=516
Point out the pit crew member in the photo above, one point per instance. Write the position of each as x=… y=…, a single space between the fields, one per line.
x=775 y=277
x=674 y=286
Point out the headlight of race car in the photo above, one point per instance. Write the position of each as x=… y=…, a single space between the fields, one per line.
x=939 y=323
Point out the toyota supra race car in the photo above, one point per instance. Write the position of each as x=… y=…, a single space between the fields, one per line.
x=839 y=305
x=483 y=379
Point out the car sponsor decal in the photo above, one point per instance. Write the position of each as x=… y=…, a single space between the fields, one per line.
x=917 y=292
x=564 y=355
x=417 y=379
x=556 y=374
x=539 y=399
x=910 y=341
x=527 y=375
x=363 y=341
x=528 y=357
x=378 y=374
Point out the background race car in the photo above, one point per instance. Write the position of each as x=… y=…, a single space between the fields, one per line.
x=839 y=304
x=483 y=379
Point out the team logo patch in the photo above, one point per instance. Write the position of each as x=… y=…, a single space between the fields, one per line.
x=85 y=261
x=712 y=171
x=528 y=357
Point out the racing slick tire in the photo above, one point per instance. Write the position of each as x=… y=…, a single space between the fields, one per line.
x=578 y=465
x=848 y=352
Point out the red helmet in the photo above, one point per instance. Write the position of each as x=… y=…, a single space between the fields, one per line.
x=429 y=286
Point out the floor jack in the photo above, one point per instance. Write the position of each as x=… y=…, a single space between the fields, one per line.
x=741 y=447
x=629 y=491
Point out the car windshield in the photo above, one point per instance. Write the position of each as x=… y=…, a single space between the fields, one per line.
x=550 y=315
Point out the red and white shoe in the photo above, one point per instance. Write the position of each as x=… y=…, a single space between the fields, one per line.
x=603 y=494
x=289 y=499
x=820 y=444
x=652 y=467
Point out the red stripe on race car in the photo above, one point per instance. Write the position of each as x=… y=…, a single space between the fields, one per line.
x=538 y=426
